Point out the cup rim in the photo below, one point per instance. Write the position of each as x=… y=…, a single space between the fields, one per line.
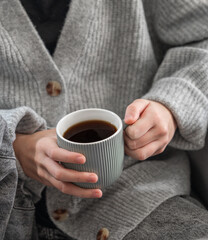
x=89 y=143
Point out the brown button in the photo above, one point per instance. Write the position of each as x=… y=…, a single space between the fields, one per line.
x=103 y=234
x=60 y=214
x=53 y=88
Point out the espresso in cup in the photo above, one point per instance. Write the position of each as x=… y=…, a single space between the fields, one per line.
x=90 y=131
x=98 y=135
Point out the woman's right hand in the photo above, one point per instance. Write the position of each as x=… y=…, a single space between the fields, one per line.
x=39 y=156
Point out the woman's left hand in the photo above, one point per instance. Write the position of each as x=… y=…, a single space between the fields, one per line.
x=152 y=126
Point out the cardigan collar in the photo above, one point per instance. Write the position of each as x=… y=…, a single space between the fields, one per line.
x=72 y=40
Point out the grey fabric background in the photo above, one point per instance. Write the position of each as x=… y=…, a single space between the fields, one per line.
x=199 y=167
x=109 y=53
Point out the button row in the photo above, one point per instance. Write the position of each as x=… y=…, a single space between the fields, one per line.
x=53 y=88
x=62 y=214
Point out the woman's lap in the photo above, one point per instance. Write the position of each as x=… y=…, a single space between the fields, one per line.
x=177 y=218
x=181 y=218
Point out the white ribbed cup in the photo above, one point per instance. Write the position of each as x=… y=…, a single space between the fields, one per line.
x=105 y=157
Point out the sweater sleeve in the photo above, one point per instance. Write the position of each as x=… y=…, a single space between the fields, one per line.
x=22 y=120
x=26 y=121
x=8 y=177
x=181 y=83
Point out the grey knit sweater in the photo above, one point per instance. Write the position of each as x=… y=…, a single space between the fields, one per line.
x=109 y=53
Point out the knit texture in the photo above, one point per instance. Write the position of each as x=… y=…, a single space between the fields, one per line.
x=8 y=177
x=177 y=218
x=110 y=53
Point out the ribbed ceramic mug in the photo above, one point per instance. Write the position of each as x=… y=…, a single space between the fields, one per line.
x=105 y=157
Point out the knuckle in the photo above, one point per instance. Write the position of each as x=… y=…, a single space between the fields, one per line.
x=39 y=144
x=165 y=140
x=40 y=161
x=52 y=153
x=131 y=132
x=163 y=130
x=61 y=186
x=46 y=183
x=57 y=174
x=141 y=155
x=132 y=145
x=160 y=150
x=37 y=160
x=40 y=172
x=54 y=138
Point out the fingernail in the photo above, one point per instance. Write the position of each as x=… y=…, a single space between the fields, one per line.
x=92 y=178
x=80 y=160
x=97 y=193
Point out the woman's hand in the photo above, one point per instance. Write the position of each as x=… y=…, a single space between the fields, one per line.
x=152 y=126
x=39 y=156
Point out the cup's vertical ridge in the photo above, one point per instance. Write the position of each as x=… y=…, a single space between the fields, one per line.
x=105 y=157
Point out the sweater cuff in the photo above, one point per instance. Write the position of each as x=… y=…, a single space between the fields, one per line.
x=26 y=121
x=22 y=120
x=189 y=107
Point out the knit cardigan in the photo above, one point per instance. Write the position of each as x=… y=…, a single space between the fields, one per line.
x=109 y=53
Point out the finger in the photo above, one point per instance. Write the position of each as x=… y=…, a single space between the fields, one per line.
x=134 y=110
x=144 y=152
x=71 y=189
x=68 y=175
x=140 y=127
x=150 y=136
x=159 y=151
x=56 y=153
x=63 y=155
x=45 y=182
x=39 y=174
x=41 y=179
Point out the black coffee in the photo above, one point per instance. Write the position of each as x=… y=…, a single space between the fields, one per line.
x=89 y=131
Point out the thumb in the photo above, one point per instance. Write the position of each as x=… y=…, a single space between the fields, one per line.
x=134 y=110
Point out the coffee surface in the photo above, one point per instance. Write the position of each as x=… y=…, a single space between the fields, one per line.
x=89 y=131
